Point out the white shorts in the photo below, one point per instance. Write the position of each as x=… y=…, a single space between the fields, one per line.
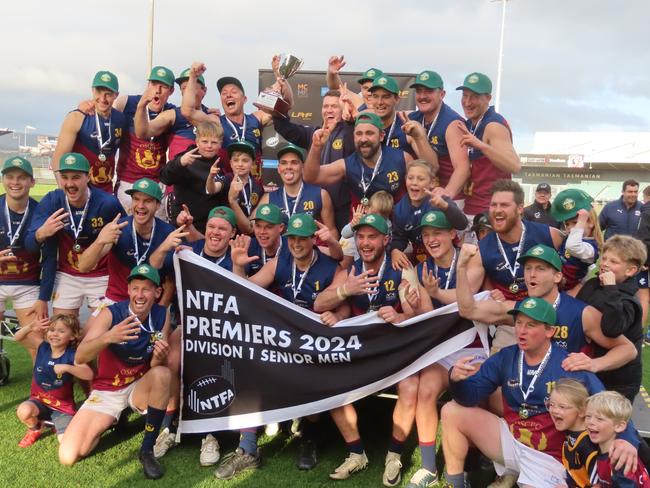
x=125 y=200
x=70 y=291
x=112 y=402
x=22 y=296
x=534 y=468
x=449 y=361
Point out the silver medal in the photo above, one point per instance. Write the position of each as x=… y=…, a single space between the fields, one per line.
x=76 y=248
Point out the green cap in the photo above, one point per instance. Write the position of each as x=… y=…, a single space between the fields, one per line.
x=293 y=149
x=435 y=218
x=224 y=213
x=567 y=203
x=162 y=74
x=386 y=82
x=18 y=163
x=145 y=185
x=229 y=80
x=428 y=79
x=478 y=83
x=147 y=272
x=375 y=221
x=543 y=253
x=74 y=162
x=269 y=213
x=370 y=75
x=106 y=79
x=369 y=118
x=537 y=309
x=243 y=146
x=185 y=75
x=301 y=225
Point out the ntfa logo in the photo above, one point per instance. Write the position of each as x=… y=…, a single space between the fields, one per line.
x=210 y=394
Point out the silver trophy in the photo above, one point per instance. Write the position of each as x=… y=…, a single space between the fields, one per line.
x=270 y=100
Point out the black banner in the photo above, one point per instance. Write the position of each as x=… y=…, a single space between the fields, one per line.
x=251 y=358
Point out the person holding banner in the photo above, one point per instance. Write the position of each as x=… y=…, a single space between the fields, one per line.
x=129 y=341
x=371 y=285
x=70 y=219
x=130 y=241
x=525 y=441
x=300 y=273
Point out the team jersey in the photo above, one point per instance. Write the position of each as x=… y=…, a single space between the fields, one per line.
x=569 y=333
x=528 y=419
x=574 y=269
x=122 y=257
x=233 y=132
x=255 y=249
x=26 y=270
x=608 y=477
x=483 y=173
x=182 y=133
x=224 y=261
x=496 y=267
x=446 y=276
x=248 y=197
x=386 y=293
x=302 y=288
x=140 y=158
x=309 y=200
x=88 y=143
x=121 y=364
x=51 y=389
x=436 y=133
x=102 y=209
x=390 y=175
x=395 y=138
x=579 y=459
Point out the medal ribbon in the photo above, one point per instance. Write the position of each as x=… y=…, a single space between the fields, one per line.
x=366 y=185
x=147 y=245
x=373 y=294
x=296 y=289
x=265 y=258
x=433 y=123
x=100 y=137
x=247 y=199
x=218 y=262
x=540 y=369
x=295 y=203
x=10 y=233
x=513 y=270
x=150 y=329
x=451 y=272
x=390 y=131
x=77 y=230
x=234 y=129
x=473 y=131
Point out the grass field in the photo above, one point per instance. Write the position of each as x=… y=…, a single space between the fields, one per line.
x=115 y=464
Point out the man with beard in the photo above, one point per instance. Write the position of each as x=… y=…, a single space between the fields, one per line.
x=339 y=144
x=20 y=270
x=71 y=219
x=237 y=125
x=371 y=285
x=296 y=196
x=488 y=137
x=300 y=272
x=129 y=341
x=96 y=135
x=512 y=237
x=129 y=241
x=443 y=135
x=371 y=167
x=540 y=209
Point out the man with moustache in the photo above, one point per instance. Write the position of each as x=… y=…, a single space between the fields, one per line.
x=71 y=218
x=512 y=237
x=488 y=137
x=296 y=196
x=371 y=167
x=96 y=135
x=443 y=135
x=129 y=241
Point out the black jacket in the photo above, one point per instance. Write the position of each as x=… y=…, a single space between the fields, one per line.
x=537 y=213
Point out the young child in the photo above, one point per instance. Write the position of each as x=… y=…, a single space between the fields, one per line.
x=409 y=211
x=380 y=203
x=51 y=395
x=566 y=405
x=188 y=172
x=243 y=191
x=579 y=252
x=608 y=414
x=612 y=292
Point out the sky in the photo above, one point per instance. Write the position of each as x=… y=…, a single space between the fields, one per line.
x=568 y=65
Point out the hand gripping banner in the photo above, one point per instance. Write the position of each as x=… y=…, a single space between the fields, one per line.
x=251 y=358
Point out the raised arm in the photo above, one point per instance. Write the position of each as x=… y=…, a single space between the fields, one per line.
x=313 y=172
x=99 y=334
x=459 y=160
x=145 y=128
x=101 y=246
x=497 y=146
x=67 y=137
x=188 y=103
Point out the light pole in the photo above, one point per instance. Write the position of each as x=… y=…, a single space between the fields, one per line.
x=150 y=47
x=497 y=95
x=28 y=127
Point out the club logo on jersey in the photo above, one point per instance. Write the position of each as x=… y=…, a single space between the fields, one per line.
x=568 y=204
x=472 y=79
x=297 y=224
x=106 y=77
x=210 y=394
x=337 y=144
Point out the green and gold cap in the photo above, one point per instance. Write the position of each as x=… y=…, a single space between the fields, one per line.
x=370 y=75
x=566 y=204
x=292 y=148
x=224 y=213
x=147 y=272
x=369 y=118
x=185 y=75
x=162 y=74
x=537 y=309
x=145 y=185
x=386 y=82
x=301 y=225
x=18 y=163
x=74 y=162
x=428 y=79
x=242 y=146
x=375 y=221
x=435 y=218
x=269 y=213
x=478 y=83
x=106 y=79
x=543 y=253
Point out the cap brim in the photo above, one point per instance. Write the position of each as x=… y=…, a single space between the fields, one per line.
x=229 y=80
x=104 y=85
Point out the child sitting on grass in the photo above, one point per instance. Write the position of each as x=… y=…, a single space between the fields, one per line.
x=51 y=396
